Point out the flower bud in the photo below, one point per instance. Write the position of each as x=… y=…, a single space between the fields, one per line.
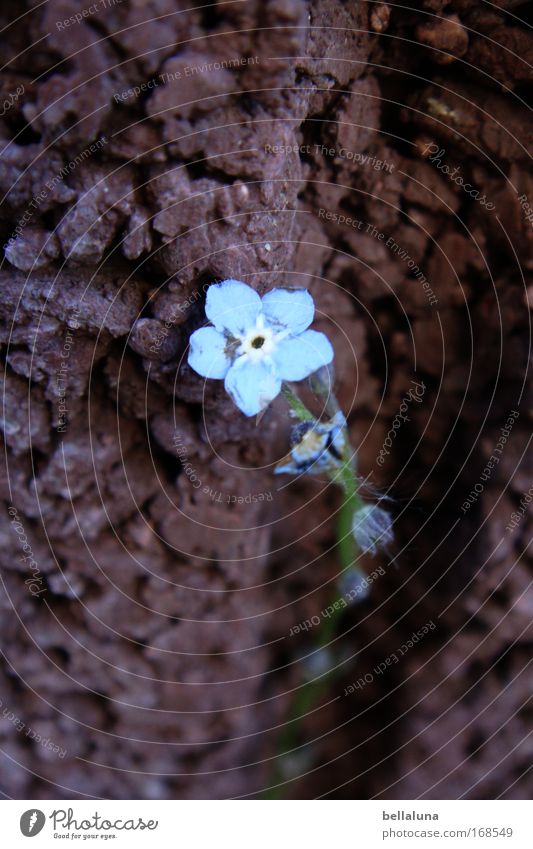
x=372 y=528
x=354 y=585
x=317 y=664
x=316 y=447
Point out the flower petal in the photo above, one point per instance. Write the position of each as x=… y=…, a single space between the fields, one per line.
x=289 y=309
x=207 y=353
x=300 y=356
x=232 y=306
x=252 y=386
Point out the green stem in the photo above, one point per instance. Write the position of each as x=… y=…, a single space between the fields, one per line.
x=297 y=406
x=346 y=478
x=307 y=695
x=348 y=550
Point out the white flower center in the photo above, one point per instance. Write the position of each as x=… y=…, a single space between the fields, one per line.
x=259 y=342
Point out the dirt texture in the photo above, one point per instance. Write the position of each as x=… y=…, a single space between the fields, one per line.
x=160 y=146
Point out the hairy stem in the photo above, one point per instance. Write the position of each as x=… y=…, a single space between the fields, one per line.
x=346 y=477
x=296 y=404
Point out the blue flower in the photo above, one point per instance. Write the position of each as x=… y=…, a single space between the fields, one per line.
x=257 y=343
x=372 y=528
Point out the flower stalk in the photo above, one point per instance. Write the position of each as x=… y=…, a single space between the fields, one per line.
x=343 y=472
x=260 y=346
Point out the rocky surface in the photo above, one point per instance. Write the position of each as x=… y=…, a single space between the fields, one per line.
x=158 y=147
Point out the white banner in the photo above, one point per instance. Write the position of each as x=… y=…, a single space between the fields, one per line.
x=262 y=825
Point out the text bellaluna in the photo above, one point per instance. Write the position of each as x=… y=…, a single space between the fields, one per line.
x=409 y=815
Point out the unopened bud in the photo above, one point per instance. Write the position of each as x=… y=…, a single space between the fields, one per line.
x=372 y=528
x=354 y=585
x=317 y=664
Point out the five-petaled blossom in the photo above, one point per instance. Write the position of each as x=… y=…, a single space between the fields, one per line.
x=256 y=343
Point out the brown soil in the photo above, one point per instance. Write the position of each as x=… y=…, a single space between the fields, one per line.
x=156 y=653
